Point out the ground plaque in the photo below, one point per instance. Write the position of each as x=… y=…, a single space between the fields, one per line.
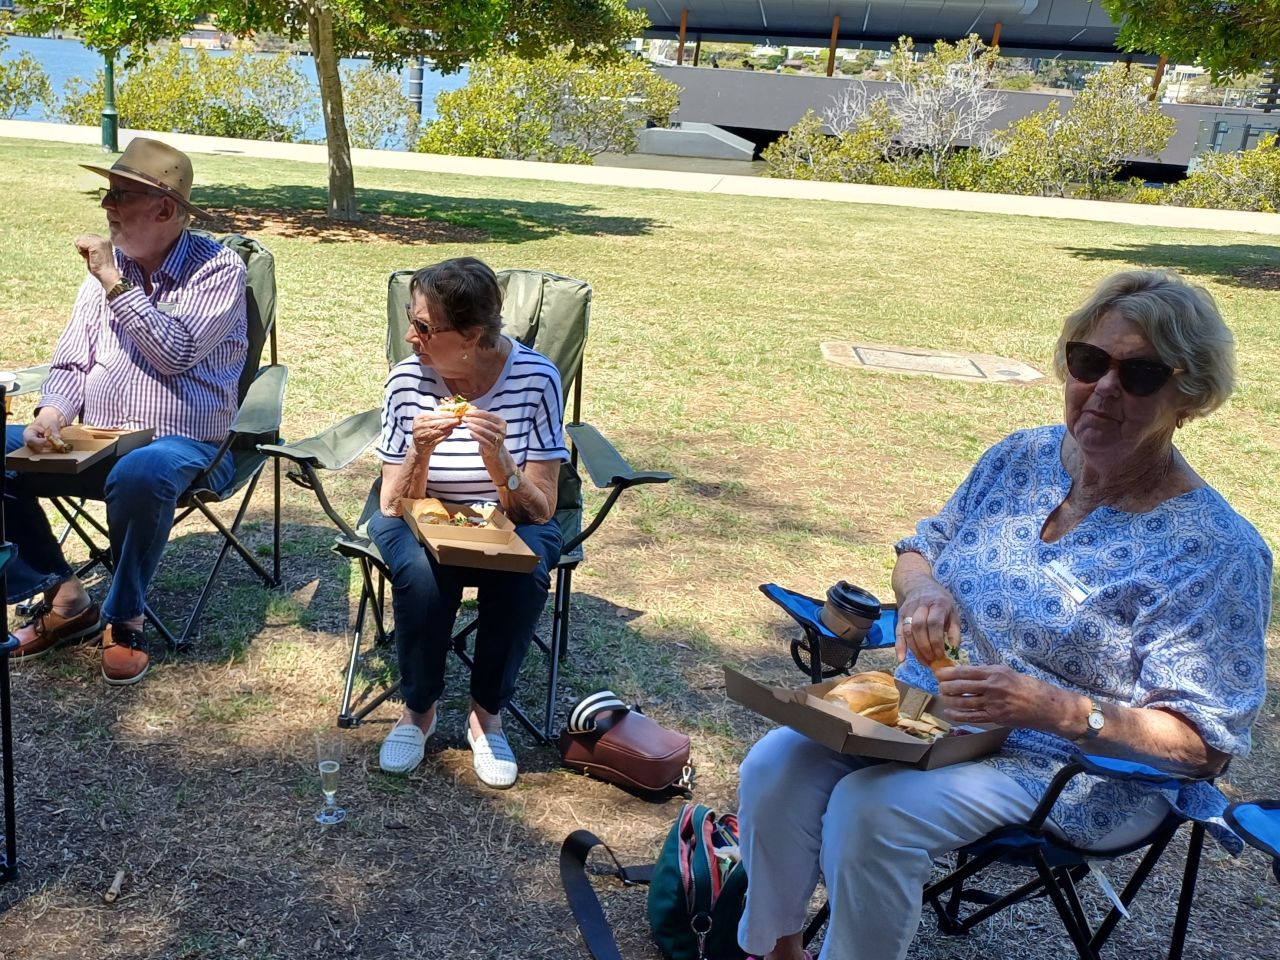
x=913 y=360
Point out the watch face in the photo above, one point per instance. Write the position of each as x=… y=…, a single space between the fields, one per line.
x=513 y=481
x=1096 y=720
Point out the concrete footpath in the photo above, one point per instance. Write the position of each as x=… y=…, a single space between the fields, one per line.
x=630 y=177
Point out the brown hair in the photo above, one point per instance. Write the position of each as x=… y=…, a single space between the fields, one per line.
x=466 y=294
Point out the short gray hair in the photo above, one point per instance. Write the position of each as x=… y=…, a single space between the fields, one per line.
x=1180 y=319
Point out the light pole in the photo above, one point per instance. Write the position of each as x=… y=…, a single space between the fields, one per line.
x=110 y=118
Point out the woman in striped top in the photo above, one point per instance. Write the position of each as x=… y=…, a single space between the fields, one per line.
x=505 y=446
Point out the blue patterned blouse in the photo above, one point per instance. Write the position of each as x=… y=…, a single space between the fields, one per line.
x=1168 y=609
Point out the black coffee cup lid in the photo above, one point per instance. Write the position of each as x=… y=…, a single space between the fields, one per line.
x=853 y=599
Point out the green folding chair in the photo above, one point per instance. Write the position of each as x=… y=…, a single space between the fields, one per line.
x=551 y=314
x=261 y=392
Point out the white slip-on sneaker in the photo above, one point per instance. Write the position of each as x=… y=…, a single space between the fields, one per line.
x=492 y=759
x=404 y=746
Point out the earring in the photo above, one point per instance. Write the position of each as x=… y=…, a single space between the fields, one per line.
x=465 y=356
x=1181 y=422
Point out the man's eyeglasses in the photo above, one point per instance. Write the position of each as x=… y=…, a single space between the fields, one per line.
x=1140 y=376
x=117 y=194
x=425 y=331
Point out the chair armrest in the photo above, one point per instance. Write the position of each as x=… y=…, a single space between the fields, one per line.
x=604 y=464
x=29 y=380
x=263 y=406
x=1112 y=768
x=334 y=448
x=1258 y=824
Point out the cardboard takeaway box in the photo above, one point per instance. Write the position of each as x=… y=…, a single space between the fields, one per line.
x=89 y=445
x=494 y=546
x=804 y=710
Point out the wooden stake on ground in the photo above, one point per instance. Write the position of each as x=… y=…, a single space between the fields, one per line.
x=114 y=890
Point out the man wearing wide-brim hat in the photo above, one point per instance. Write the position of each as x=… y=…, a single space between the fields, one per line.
x=157 y=339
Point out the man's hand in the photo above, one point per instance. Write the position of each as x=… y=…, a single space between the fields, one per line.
x=99 y=258
x=44 y=433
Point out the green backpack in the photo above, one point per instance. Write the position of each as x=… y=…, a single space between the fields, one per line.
x=697 y=888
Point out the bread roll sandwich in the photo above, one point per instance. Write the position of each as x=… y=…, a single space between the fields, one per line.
x=873 y=695
x=456 y=406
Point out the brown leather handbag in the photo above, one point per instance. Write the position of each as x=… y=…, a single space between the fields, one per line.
x=609 y=740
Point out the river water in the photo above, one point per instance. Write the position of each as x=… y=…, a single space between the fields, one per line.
x=64 y=59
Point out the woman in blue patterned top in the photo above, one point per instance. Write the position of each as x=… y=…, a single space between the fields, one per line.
x=472 y=416
x=1105 y=595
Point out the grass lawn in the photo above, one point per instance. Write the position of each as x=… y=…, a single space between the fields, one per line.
x=704 y=361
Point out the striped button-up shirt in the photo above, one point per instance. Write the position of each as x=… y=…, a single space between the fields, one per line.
x=169 y=360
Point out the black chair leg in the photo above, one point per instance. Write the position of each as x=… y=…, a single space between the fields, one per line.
x=1079 y=937
x=1187 y=894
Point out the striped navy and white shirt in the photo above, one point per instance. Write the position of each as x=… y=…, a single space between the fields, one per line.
x=526 y=395
x=171 y=360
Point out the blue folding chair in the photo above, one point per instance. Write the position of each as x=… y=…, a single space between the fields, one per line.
x=1258 y=824
x=1058 y=867
x=806 y=651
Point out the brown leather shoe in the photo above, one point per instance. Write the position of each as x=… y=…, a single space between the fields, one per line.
x=46 y=629
x=124 y=655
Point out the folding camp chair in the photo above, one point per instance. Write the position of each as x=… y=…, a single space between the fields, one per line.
x=1058 y=865
x=9 y=643
x=261 y=394
x=551 y=314
x=1258 y=824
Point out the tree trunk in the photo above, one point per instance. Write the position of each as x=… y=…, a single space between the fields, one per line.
x=342 y=184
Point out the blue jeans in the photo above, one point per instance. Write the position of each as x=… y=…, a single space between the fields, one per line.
x=141 y=490
x=425 y=596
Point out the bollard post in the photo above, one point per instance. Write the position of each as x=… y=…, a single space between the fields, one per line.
x=110 y=118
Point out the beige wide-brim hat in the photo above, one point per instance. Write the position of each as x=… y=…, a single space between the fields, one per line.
x=157 y=165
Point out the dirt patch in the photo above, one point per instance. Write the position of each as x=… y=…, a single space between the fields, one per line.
x=316 y=226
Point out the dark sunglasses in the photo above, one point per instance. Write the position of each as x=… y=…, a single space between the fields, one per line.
x=1140 y=376
x=425 y=331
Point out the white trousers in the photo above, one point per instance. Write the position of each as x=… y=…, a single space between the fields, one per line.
x=872 y=829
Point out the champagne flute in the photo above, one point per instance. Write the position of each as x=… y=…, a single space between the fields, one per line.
x=329 y=758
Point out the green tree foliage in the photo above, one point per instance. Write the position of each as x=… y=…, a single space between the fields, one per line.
x=245 y=95
x=858 y=153
x=23 y=84
x=553 y=109
x=1244 y=180
x=379 y=115
x=1226 y=36
x=448 y=32
x=1050 y=152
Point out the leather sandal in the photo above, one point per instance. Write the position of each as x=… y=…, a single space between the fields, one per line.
x=404 y=747
x=492 y=759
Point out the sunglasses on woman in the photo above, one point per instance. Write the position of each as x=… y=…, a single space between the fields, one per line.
x=425 y=331
x=1140 y=376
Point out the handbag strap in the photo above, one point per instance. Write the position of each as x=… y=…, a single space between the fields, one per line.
x=583 y=901
x=587 y=713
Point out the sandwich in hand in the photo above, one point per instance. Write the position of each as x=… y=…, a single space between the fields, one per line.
x=952 y=657
x=456 y=406
x=873 y=695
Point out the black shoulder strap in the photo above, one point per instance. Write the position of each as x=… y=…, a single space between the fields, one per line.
x=582 y=898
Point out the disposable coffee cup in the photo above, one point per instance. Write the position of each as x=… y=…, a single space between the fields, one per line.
x=849 y=613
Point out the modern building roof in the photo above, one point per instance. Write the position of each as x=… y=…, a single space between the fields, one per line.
x=1027 y=27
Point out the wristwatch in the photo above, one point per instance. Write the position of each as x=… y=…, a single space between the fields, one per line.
x=1097 y=719
x=120 y=286
x=514 y=480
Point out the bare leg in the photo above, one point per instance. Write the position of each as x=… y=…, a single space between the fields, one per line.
x=422 y=720
x=789 y=947
x=482 y=721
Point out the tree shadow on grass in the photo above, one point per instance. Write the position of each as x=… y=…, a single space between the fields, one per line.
x=1252 y=266
x=298 y=212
